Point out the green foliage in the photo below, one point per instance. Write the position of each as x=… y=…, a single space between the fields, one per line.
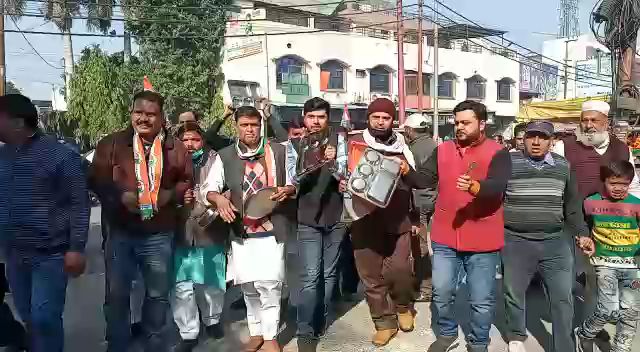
x=102 y=86
x=11 y=88
x=182 y=46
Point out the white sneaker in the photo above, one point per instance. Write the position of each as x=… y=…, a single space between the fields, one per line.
x=516 y=346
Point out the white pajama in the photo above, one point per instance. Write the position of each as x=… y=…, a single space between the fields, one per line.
x=189 y=301
x=262 y=298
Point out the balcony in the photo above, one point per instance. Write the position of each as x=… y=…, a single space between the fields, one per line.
x=295 y=86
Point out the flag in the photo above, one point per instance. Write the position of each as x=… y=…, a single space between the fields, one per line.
x=146 y=84
x=346 y=120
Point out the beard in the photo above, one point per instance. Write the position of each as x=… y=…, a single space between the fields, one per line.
x=592 y=139
x=380 y=135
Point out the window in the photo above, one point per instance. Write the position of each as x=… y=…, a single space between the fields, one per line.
x=287 y=65
x=411 y=83
x=504 y=89
x=361 y=73
x=379 y=80
x=476 y=86
x=446 y=85
x=332 y=75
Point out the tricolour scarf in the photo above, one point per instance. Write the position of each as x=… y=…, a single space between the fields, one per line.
x=148 y=174
x=398 y=146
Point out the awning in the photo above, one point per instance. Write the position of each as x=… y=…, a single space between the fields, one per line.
x=560 y=111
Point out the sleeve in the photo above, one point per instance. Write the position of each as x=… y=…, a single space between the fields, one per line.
x=213 y=137
x=558 y=148
x=425 y=175
x=634 y=188
x=80 y=210
x=214 y=181
x=185 y=180
x=101 y=173
x=573 y=212
x=291 y=162
x=497 y=176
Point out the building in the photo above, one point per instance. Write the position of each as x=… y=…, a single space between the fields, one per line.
x=349 y=56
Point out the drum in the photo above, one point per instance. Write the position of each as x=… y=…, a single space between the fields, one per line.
x=203 y=215
x=259 y=204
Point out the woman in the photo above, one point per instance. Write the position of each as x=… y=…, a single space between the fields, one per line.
x=200 y=258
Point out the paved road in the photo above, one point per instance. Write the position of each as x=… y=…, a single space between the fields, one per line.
x=350 y=332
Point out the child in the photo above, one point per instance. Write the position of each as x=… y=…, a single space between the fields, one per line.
x=614 y=250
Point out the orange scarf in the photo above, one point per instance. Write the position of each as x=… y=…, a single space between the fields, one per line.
x=148 y=174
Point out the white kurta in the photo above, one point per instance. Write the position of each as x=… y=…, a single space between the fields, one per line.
x=251 y=259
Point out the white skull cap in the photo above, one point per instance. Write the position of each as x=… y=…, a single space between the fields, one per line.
x=596 y=105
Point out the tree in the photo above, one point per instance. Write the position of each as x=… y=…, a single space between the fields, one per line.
x=12 y=89
x=103 y=86
x=62 y=12
x=181 y=41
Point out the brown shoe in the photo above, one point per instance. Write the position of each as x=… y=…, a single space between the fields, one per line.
x=382 y=337
x=271 y=346
x=254 y=344
x=406 y=321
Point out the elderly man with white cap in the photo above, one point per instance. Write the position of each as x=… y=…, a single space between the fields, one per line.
x=591 y=147
x=422 y=146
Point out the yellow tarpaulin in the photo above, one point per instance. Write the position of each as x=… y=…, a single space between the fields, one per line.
x=560 y=111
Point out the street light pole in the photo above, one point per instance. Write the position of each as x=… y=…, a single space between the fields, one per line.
x=400 y=32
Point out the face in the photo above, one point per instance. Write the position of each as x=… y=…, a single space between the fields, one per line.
x=6 y=127
x=498 y=138
x=520 y=141
x=468 y=128
x=316 y=121
x=192 y=140
x=146 y=118
x=537 y=144
x=187 y=117
x=617 y=187
x=593 y=121
x=381 y=121
x=297 y=133
x=248 y=129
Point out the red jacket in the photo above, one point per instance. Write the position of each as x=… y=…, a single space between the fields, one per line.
x=462 y=221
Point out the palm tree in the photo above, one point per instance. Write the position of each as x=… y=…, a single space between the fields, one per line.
x=62 y=12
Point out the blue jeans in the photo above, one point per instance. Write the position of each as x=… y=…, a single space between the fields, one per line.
x=318 y=255
x=39 y=286
x=618 y=302
x=481 y=271
x=126 y=255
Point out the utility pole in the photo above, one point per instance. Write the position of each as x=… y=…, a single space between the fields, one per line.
x=566 y=65
x=420 y=90
x=400 y=32
x=3 y=71
x=435 y=72
x=127 y=46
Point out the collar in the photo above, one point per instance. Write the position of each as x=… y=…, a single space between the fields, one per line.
x=548 y=159
x=476 y=143
x=420 y=137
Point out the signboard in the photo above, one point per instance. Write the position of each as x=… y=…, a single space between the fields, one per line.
x=593 y=77
x=538 y=78
x=238 y=51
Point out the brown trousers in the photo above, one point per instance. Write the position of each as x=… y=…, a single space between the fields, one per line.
x=385 y=266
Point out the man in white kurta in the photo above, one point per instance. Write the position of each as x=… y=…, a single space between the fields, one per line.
x=257 y=248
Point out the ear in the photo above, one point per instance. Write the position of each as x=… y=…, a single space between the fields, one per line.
x=482 y=125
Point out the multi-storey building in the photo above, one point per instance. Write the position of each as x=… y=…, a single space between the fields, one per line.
x=347 y=54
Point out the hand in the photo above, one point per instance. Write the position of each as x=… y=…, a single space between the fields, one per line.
x=283 y=193
x=586 y=245
x=415 y=230
x=189 y=197
x=404 y=167
x=464 y=183
x=74 y=263
x=164 y=197
x=330 y=153
x=226 y=209
x=429 y=245
x=342 y=186
x=228 y=111
x=130 y=201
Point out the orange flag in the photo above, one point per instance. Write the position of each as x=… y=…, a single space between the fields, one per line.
x=146 y=84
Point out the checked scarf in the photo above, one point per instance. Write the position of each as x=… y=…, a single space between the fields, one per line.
x=256 y=177
x=148 y=174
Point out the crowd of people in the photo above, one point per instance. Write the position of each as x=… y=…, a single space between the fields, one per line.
x=186 y=213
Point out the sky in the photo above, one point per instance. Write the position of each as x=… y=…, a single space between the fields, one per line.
x=36 y=78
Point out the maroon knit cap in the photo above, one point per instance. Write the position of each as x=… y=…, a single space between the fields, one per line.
x=382 y=105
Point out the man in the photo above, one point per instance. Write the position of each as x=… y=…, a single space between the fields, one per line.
x=422 y=146
x=518 y=138
x=44 y=220
x=200 y=257
x=382 y=238
x=592 y=147
x=471 y=173
x=542 y=215
x=257 y=245
x=141 y=176
x=212 y=135
x=320 y=231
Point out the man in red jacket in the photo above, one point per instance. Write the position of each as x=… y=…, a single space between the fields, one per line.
x=468 y=226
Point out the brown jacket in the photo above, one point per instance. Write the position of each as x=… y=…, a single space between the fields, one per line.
x=112 y=173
